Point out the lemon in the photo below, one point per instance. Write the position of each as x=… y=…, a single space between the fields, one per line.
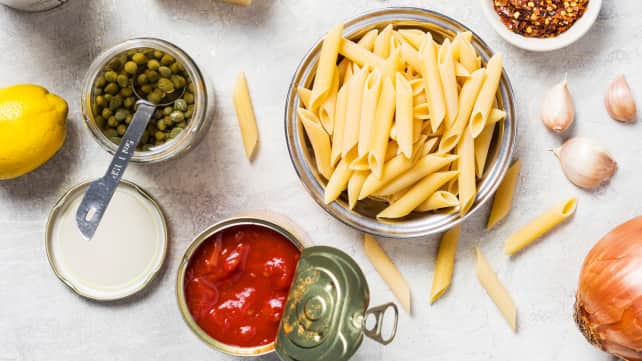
x=32 y=128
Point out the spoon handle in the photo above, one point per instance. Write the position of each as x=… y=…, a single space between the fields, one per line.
x=100 y=192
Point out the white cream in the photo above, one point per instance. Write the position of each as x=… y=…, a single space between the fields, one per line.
x=126 y=251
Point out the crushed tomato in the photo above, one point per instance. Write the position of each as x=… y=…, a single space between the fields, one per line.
x=237 y=282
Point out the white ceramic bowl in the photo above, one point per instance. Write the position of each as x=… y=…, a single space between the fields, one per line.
x=575 y=32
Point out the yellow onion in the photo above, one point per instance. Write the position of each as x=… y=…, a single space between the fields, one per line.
x=608 y=305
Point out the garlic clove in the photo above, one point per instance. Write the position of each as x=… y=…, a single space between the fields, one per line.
x=585 y=163
x=619 y=100
x=558 y=111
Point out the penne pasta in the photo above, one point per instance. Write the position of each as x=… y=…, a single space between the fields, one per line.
x=338 y=182
x=539 y=226
x=319 y=140
x=482 y=145
x=504 y=195
x=326 y=66
x=424 y=167
x=496 y=116
x=382 y=42
x=444 y=264
x=416 y=195
x=466 y=164
x=392 y=150
x=245 y=115
x=367 y=41
x=353 y=114
x=439 y=200
x=371 y=93
x=381 y=132
x=411 y=56
x=404 y=115
x=446 y=64
x=487 y=95
x=392 y=65
x=354 y=187
x=495 y=290
x=461 y=71
x=467 y=100
x=391 y=169
x=388 y=271
x=339 y=124
x=465 y=52
x=304 y=96
x=359 y=54
x=412 y=36
x=327 y=109
x=434 y=90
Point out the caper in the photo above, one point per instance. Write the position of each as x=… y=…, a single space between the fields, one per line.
x=100 y=81
x=109 y=133
x=139 y=58
x=155 y=97
x=177 y=116
x=159 y=135
x=158 y=114
x=115 y=64
x=189 y=113
x=100 y=121
x=116 y=140
x=141 y=79
x=164 y=71
x=106 y=113
x=152 y=76
x=128 y=118
x=111 y=88
x=189 y=98
x=122 y=80
x=100 y=100
x=129 y=102
x=166 y=85
x=121 y=114
x=190 y=87
x=121 y=129
x=126 y=92
x=180 y=104
x=146 y=89
x=175 y=132
x=158 y=54
x=98 y=91
x=175 y=68
x=179 y=81
x=161 y=124
x=131 y=67
x=115 y=102
x=168 y=110
x=153 y=64
x=167 y=59
x=112 y=121
x=107 y=98
x=181 y=125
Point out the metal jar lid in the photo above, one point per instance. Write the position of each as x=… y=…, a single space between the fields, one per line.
x=325 y=316
x=77 y=282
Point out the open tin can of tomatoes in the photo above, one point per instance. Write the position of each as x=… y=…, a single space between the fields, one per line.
x=320 y=315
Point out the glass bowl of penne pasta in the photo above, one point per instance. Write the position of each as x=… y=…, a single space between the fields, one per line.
x=400 y=122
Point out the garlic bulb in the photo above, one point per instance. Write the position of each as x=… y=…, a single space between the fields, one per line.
x=558 y=110
x=619 y=100
x=585 y=163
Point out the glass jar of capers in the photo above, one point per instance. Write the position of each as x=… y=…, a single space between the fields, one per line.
x=159 y=72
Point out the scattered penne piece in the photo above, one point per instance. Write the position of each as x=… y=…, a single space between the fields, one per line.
x=497 y=292
x=245 y=115
x=487 y=95
x=539 y=226
x=445 y=263
x=326 y=67
x=388 y=271
x=504 y=195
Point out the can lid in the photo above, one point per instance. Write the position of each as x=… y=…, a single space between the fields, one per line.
x=324 y=317
x=124 y=256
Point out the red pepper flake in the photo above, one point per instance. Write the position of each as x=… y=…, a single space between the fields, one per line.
x=540 y=18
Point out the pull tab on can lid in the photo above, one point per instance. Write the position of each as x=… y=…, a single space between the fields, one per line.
x=324 y=317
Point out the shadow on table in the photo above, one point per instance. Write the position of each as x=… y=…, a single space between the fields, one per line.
x=255 y=14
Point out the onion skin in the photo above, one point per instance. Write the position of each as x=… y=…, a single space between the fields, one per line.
x=608 y=304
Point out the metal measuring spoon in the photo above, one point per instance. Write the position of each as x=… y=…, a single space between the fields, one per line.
x=97 y=198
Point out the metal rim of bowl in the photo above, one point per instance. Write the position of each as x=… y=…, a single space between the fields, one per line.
x=62 y=202
x=195 y=244
x=189 y=137
x=401 y=229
